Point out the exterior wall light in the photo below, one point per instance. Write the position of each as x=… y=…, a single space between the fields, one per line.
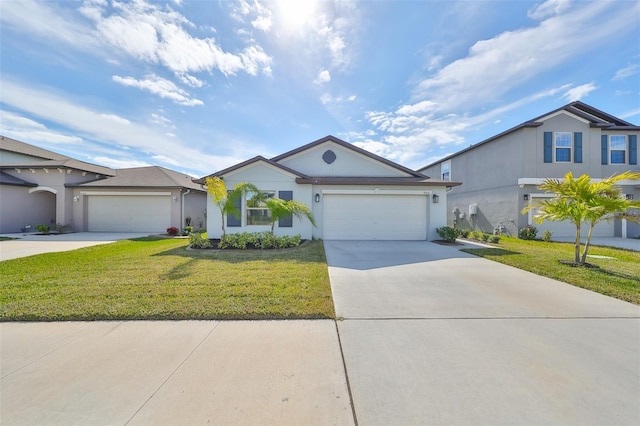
x=436 y=198
x=629 y=196
x=526 y=197
x=317 y=197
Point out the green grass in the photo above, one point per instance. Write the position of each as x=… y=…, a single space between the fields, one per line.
x=157 y=278
x=617 y=277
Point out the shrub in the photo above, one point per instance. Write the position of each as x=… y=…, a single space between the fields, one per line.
x=187 y=230
x=546 y=236
x=42 y=228
x=528 y=233
x=199 y=241
x=495 y=239
x=447 y=233
x=172 y=230
x=464 y=233
x=476 y=235
x=259 y=240
x=485 y=237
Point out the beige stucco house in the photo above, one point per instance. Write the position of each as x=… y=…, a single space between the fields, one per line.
x=352 y=193
x=41 y=187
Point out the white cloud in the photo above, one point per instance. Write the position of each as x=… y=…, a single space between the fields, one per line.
x=25 y=129
x=77 y=118
x=324 y=76
x=159 y=86
x=629 y=114
x=625 y=72
x=118 y=163
x=548 y=8
x=495 y=66
x=579 y=92
x=116 y=118
x=190 y=80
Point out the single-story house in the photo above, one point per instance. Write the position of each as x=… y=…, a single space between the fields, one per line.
x=41 y=187
x=352 y=193
x=501 y=174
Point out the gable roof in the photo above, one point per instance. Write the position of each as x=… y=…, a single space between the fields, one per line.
x=151 y=176
x=351 y=147
x=44 y=158
x=256 y=159
x=594 y=116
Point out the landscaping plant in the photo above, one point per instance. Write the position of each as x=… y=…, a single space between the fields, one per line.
x=226 y=199
x=583 y=201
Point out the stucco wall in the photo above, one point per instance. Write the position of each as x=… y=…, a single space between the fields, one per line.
x=18 y=208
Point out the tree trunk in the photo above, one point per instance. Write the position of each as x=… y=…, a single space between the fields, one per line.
x=577 y=244
x=222 y=223
x=586 y=245
x=273 y=225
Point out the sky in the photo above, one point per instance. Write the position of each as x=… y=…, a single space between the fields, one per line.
x=197 y=86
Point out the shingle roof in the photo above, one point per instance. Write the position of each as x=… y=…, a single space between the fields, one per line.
x=151 y=176
x=352 y=147
x=595 y=117
x=44 y=158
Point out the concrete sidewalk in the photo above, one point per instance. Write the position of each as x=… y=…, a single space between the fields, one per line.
x=24 y=245
x=178 y=373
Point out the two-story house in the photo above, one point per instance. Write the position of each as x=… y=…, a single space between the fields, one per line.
x=500 y=175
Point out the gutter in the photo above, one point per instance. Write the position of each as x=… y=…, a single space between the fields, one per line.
x=182 y=209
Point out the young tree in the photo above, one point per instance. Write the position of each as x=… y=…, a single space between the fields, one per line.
x=226 y=200
x=280 y=209
x=582 y=201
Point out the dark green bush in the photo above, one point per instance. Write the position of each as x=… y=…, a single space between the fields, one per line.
x=447 y=233
x=546 y=236
x=258 y=240
x=199 y=241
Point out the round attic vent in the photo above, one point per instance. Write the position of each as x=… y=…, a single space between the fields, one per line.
x=329 y=156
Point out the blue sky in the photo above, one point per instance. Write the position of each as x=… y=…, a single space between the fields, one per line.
x=197 y=86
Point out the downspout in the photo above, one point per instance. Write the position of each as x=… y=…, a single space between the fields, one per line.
x=182 y=225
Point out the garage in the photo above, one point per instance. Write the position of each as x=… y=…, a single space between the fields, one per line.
x=568 y=229
x=389 y=216
x=129 y=213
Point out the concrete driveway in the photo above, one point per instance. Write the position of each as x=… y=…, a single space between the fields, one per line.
x=24 y=245
x=432 y=335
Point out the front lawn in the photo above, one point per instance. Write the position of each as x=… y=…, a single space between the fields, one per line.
x=617 y=273
x=156 y=278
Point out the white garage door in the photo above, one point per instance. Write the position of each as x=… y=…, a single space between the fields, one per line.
x=375 y=217
x=568 y=229
x=129 y=213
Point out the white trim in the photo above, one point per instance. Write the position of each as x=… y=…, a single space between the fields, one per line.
x=374 y=192
x=546 y=117
x=124 y=193
x=42 y=188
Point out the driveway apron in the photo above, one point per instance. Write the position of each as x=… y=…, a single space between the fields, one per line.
x=432 y=335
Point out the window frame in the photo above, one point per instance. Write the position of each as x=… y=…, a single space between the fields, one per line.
x=249 y=208
x=556 y=147
x=623 y=150
x=448 y=172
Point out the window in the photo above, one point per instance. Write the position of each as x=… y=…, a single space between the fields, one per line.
x=445 y=170
x=618 y=149
x=257 y=211
x=563 y=147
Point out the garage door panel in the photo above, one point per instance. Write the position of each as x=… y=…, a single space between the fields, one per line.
x=375 y=217
x=129 y=213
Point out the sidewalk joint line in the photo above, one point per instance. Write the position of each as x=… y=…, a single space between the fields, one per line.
x=346 y=376
x=485 y=318
x=173 y=373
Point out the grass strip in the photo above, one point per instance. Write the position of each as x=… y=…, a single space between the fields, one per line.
x=617 y=271
x=158 y=279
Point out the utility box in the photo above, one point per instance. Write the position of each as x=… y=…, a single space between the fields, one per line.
x=473 y=209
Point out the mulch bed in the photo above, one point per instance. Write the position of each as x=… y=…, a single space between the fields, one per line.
x=447 y=243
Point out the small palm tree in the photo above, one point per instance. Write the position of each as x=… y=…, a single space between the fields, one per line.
x=582 y=201
x=226 y=200
x=280 y=209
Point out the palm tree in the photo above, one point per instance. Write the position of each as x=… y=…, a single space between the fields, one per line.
x=582 y=201
x=226 y=200
x=280 y=209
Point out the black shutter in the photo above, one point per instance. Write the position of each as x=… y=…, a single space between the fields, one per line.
x=285 y=222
